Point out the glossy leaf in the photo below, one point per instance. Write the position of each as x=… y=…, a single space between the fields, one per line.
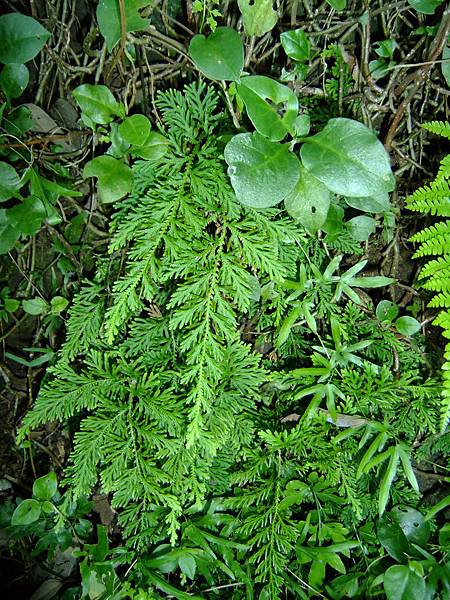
x=28 y=216
x=14 y=80
x=9 y=233
x=264 y=98
x=386 y=310
x=296 y=45
x=114 y=178
x=98 y=103
x=407 y=325
x=393 y=539
x=349 y=159
x=413 y=525
x=154 y=148
x=220 y=55
x=109 y=19
x=9 y=182
x=21 y=38
x=45 y=487
x=135 y=129
x=26 y=513
x=262 y=172
x=427 y=7
x=401 y=583
x=58 y=304
x=35 y=306
x=258 y=15
x=337 y=4
x=309 y=202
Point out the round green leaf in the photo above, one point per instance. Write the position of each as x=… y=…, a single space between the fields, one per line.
x=9 y=182
x=35 y=306
x=135 y=129
x=401 y=583
x=26 y=513
x=14 y=79
x=255 y=91
x=109 y=20
x=407 y=325
x=309 y=202
x=361 y=227
x=97 y=103
x=154 y=148
x=220 y=55
x=296 y=45
x=349 y=159
x=427 y=7
x=262 y=172
x=386 y=310
x=58 y=304
x=413 y=525
x=372 y=204
x=337 y=4
x=114 y=178
x=21 y=38
x=45 y=487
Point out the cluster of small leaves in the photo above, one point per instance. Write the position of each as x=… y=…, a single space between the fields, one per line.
x=29 y=196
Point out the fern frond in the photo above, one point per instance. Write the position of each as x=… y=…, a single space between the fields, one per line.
x=433 y=199
x=433 y=240
x=441 y=128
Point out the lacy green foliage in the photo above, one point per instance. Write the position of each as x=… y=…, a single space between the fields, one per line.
x=168 y=393
x=435 y=241
x=233 y=398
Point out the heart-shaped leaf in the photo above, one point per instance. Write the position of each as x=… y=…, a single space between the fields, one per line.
x=258 y=15
x=349 y=159
x=114 y=178
x=220 y=55
x=262 y=172
x=21 y=38
x=309 y=202
x=263 y=98
x=98 y=103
